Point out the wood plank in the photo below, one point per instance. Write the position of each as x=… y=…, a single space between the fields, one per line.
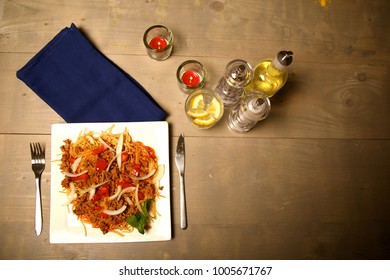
x=318 y=100
x=343 y=32
x=257 y=199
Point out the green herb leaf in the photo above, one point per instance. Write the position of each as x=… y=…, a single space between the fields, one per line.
x=142 y=222
x=147 y=205
x=133 y=220
x=139 y=220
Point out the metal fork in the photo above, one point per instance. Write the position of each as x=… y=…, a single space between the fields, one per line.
x=38 y=165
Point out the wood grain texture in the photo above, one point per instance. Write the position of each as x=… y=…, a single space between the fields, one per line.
x=346 y=31
x=318 y=101
x=299 y=199
x=309 y=182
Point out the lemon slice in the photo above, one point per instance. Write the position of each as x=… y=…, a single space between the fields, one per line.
x=197 y=112
x=214 y=109
x=205 y=121
x=196 y=108
x=197 y=102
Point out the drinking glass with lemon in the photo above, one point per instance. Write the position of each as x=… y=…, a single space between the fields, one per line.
x=204 y=108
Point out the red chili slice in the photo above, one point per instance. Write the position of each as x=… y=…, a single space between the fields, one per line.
x=99 y=150
x=136 y=170
x=125 y=156
x=102 y=192
x=141 y=196
x=101 y=164
x=81 y=177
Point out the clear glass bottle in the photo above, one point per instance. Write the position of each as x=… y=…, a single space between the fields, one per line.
x=271 y=75
x=238 y=74
x=252 y=108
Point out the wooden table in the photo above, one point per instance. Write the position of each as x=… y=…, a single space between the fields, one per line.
x=310 y=182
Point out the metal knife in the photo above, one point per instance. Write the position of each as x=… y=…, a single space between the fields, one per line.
x=180 y=163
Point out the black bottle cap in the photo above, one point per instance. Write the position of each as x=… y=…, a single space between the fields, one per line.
x=285 y=57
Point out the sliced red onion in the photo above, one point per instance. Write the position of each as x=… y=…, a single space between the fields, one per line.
x=92 y=187
x=128 y=200
x=160 y=174
x=74 y=174
x=119 y=151
x=91 y=194
x=76 y=164
x=115 y=212
x=140 y=178
x=118 y=191
x=72 y=195
x=111 y=161
x=126 y=190
x=106 y=145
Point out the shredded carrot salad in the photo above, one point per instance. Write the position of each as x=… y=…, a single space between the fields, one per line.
x=111 y=181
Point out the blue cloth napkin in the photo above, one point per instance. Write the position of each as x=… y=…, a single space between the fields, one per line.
x=82 y=85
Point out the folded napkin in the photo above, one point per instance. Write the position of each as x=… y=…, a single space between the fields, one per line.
x=82 y=85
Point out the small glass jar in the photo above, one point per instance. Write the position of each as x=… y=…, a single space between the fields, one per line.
x=204 y=108
x=191 y=76
x=158 y=41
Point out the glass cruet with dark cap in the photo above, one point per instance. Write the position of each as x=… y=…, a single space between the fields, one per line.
x=271 y=75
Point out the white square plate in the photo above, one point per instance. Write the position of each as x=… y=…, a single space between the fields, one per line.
x=65 y=227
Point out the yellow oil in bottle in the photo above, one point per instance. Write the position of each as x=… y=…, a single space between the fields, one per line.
x=269 y=76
